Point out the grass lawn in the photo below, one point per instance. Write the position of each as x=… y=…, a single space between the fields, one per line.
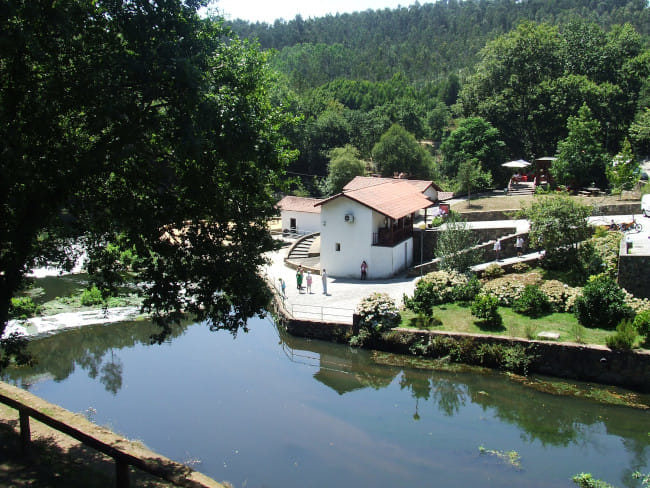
x=493 y=203
x=458 y=318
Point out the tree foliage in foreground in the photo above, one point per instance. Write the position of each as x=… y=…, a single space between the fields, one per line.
x=558 y=224
x=143 y=126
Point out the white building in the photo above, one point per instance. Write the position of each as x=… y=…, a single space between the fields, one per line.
x=300 y=215
x=371 y=220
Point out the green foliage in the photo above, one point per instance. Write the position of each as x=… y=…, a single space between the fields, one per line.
x=493 y=270
x=141 y=124
x=343 y=167
x=624 y=336
x=23 y=308
x=602 y=304
x=399 y=152
x=91 y=296
x=378 y=313
x=486 y=308
x=642 y=323
x=471 y=176
x=520 y=267
x=558 y=224
x=532 y=302
x=440 y=287
x=640 y=131
x=454 y=245
x=581 y=158
x=586 y=480
x=622 y=170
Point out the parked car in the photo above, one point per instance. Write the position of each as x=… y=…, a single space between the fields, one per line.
x=645 y=205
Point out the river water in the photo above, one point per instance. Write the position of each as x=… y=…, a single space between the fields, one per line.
x=269 y=410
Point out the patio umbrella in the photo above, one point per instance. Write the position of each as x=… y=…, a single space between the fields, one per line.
x=546 y=158
x=519 y=163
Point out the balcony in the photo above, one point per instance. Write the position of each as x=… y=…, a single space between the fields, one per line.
x=391 y=237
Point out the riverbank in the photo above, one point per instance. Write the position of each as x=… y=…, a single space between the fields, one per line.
x=57 y=460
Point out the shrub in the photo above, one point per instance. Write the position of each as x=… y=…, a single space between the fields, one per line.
x=493 y=271
x=378 y=313
x=642 y=323
x=532 y=302
x=22 y=308
x=466 y=292
x=486 y=308
x=433 y=289
x=602 y=304
x=509 y=287
x=91 y=296
x=624 y=336
x=561 y=296
x=520 y=267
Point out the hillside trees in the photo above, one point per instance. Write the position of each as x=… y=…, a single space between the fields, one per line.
x=399 y=152
x=343 y=167
x=531 y=80
x=138 y=125
x=581 y=158
x=474 y=138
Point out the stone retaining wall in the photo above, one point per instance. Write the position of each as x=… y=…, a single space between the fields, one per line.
x=629 y=369
x=599 y=209
x=633 y=273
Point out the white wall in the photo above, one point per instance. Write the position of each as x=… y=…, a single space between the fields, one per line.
x=306 y=222
x=355 y=241
x=355 y=238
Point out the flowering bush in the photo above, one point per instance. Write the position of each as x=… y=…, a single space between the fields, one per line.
x=378 y=313
x=493 y=271
x=437 y=288
x=508 y=288
x=561 y=296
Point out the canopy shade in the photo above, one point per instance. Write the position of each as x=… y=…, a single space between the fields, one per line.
x=519 y=163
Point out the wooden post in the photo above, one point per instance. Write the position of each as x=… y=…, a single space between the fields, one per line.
x=121 y=473
x=25 y=431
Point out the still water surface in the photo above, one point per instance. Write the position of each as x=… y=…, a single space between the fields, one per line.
x=267 y=410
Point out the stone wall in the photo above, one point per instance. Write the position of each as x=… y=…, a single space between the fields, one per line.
x=633 y=273
x=629 y=369
x=623 y=208
x=430 y=238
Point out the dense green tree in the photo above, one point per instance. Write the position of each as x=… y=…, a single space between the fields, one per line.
x=558 y=224
x=474 y=138
x=344 y=166
x=623 y=170
x=141 y=121
x=455 y=245
x=471 y=176
x=581 y=159
x=640 y=132
x=399 y=152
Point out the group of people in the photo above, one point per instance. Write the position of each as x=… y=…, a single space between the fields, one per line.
x=519 y=247
x=307 y=278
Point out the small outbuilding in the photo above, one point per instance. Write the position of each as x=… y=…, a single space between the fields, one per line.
x=300 y=215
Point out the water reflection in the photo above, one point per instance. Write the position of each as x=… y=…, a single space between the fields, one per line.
x=91 y=348
x=397 y=410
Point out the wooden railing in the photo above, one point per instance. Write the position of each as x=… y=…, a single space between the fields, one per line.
x=107 y=442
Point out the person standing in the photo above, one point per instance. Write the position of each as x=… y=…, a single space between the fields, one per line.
x=309 y=280
x=323 y=277
x=364 y=270
x=497 y=248
x=283 y=287
x=299 y=278
x=519 y=244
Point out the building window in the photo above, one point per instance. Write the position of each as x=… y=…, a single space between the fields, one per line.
x=337 y=246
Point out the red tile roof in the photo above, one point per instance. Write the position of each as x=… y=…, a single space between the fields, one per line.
x=365 y=181
x=299 y=204
x=393 y=200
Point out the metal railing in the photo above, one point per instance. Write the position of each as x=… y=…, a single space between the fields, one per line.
x=177 y=474
x=330 y=314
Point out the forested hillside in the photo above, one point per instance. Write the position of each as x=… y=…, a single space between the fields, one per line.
x=424 y=42
x=484 y=80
